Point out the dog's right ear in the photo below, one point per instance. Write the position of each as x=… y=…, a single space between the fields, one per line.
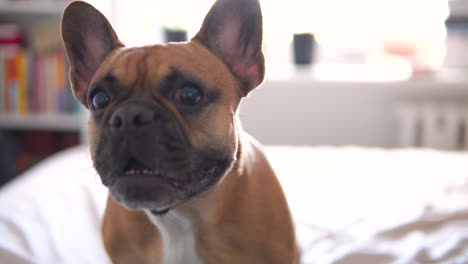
x=89 y=38
x=232 y=30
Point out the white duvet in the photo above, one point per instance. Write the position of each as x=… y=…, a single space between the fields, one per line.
x=351 y=205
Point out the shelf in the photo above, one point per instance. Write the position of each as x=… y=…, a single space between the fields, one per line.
x=47 y=122
x=36 y=8
x=347 y=74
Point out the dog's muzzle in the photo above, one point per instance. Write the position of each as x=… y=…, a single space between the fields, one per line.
x=146 y=160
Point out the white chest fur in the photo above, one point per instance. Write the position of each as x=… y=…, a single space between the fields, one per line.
x=178 y=238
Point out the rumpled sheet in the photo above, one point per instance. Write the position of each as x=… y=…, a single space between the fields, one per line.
x=351 y=205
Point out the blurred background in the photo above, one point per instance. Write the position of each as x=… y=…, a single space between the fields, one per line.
x=374 y=73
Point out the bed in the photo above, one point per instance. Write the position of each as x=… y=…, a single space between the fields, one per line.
x=351 y=205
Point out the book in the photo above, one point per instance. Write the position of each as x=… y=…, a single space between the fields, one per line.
x=11 y=84
x=34 y=79
x=2 y=82
x=21 y=79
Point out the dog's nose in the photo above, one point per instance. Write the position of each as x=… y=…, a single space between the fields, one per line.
x=132 y=116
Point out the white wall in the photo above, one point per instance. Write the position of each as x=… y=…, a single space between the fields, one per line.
x=305 y=111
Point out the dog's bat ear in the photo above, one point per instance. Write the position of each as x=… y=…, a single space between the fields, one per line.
x=232 y=30
x=89 y=38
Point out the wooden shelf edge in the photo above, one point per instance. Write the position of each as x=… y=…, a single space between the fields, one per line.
x=46 y=122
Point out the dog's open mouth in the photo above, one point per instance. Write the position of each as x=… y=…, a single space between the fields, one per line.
x=139 y=185
x=135 y=167
x=136 y=171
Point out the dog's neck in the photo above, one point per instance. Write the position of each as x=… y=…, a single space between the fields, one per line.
x=177 y=237
x=227 y=219
x=177 y=227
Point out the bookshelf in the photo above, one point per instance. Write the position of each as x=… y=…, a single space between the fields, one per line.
x=38 y=115
x=18 y=109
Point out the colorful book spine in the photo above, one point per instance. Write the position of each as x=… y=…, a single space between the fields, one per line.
x=29 y=81
x=11 y=84
x=35 y=83
x=49 y=90
x=2 y=82
x=39 y=85
x=34 y=79
x=21 y=78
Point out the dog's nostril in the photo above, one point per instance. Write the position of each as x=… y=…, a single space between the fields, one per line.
x=115 y=121
x=143 y=119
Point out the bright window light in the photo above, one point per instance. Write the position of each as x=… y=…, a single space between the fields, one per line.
x=350 y=31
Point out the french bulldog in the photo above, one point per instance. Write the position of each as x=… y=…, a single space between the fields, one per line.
x=186 y=184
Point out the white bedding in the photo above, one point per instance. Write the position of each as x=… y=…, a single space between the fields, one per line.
x=351 y=205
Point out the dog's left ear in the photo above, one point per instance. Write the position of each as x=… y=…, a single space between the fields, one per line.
x=232 y=30
x=89 y=38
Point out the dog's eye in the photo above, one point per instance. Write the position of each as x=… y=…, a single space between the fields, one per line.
x=100 y=100
x=189 y=95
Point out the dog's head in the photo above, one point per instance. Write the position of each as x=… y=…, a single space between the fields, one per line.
x=163 y=117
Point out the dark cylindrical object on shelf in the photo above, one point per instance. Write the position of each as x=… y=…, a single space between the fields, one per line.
x=304 y=45
x=175 y=35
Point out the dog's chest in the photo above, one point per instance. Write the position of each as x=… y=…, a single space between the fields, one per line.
x=178 y=238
